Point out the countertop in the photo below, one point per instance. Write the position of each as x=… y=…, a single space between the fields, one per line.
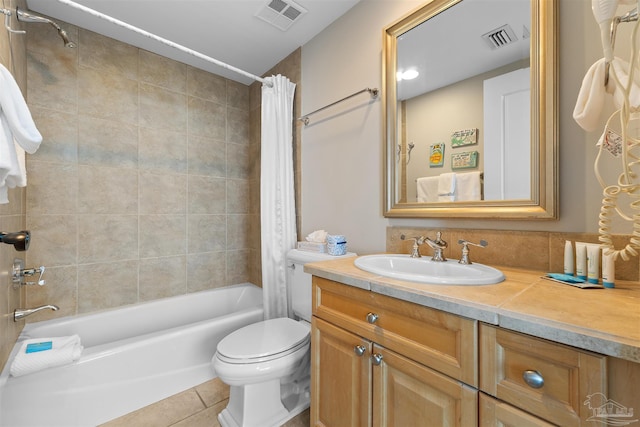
x=605 y=321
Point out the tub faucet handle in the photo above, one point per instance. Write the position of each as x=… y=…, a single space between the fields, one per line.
x=33 y=272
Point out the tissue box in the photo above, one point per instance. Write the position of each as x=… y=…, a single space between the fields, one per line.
x=336 y=244
x=320 y=248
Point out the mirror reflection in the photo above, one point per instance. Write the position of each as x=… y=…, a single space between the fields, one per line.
x=463 y=102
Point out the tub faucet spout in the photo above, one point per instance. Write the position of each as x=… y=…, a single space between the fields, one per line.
x=19 y=313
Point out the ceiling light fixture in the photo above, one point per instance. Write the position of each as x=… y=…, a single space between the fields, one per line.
x=407 y=75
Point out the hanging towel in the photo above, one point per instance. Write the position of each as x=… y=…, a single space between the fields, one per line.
x=447 y=187
x=468 y=186
x=61 y=351
x=593 y=93
x=18 y=134
x=427 y=189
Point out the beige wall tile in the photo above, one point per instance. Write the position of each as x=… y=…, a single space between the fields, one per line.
x=207 y=156
x=108 y=96
x=162 y=235
x=162 y=151
x=238 y=126
x=107 y=190
x=61 y=285
x=60 y=135
x=207 y=195
x=207 y=119
x=238 y=161
x=107 y=285
x=53 y=187
x=54 y=240
x=107 y=237
x=162 y=277
x=206 y=270
x=164 y=72
x=207 y=86
x=162 y=194
x=107 y=55
x=162 y=108
x=107 y=142
x=238 y=196
x=206 y=233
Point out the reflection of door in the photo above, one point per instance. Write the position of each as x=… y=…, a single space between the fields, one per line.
x=507 y=136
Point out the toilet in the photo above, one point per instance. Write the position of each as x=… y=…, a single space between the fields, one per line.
x=267 y=364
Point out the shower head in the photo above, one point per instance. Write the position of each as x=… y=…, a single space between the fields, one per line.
x=20 y=240
x=24 y=16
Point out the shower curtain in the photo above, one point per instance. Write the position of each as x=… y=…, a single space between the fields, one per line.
x=277 y=197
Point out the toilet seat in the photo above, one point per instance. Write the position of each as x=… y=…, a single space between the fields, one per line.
x=263 y=341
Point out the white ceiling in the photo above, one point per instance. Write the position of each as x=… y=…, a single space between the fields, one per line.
x=226 y=30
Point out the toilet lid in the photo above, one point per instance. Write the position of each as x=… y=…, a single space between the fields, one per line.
x=265 y=340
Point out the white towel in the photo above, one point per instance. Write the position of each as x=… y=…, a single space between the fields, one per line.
x=468 y=186
x=64 y=350
x=427 y=189
x=18 y=133
x=447 y=187
x=592 y=95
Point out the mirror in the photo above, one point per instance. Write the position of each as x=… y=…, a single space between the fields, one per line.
x=474 y=134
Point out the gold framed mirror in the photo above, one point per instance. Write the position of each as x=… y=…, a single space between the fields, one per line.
x=470 y=145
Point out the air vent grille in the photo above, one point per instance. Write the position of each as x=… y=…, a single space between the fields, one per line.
x=500 y=37
x=281 y=13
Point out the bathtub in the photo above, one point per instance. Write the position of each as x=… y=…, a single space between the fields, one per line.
x=132 y=357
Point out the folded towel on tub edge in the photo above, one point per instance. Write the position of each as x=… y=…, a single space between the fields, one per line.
x=62 y=351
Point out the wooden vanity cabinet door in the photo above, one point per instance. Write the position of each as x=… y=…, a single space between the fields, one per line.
x=340 y=377
x=408 y=394
x=443 y=341
x=570 y=375
x=494 y=413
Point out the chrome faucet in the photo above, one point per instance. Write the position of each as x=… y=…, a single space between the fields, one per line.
x=417 y=241
x=438 y=245
x=464 y=258
x=20 y=313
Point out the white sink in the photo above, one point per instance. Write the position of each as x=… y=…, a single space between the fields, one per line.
x=424 y=270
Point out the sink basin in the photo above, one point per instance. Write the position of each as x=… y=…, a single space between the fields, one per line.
x=423 y=270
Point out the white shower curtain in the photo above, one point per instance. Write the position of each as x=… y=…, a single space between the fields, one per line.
x=277 y=197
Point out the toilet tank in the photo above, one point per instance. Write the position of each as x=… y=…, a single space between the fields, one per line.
x=299 y=282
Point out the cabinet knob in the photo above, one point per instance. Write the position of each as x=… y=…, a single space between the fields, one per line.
x=533 y=379
x=376 y=358
x=359 y=350
x=372 y=318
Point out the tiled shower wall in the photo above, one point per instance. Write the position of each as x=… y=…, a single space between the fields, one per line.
x=12 y=215
x=141 y=188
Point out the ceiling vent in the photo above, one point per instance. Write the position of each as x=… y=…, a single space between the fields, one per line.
x=281 y=13
x=500 y=37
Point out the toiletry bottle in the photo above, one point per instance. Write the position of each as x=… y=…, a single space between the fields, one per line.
x=581 y=260
x=593 y=262
x=608 y=270
x=568 y=258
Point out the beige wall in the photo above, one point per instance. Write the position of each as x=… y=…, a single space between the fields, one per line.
x=350 y=140
x=12 y=215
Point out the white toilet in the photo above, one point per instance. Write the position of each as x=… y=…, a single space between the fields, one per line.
x=267 y=364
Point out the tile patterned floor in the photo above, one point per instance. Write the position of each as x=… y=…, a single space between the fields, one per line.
x=196 y=407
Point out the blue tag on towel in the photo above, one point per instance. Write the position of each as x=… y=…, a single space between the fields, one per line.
x=39 y=346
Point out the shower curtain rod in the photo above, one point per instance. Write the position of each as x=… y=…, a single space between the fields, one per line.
x=163 y=41
x=305 y=117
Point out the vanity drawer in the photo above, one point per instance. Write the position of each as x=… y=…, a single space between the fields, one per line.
x=558 y=381
x=445 y=342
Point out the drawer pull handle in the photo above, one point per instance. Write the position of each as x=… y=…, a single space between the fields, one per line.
x=533 y=378
x=376 y=359
x=359 y=350
x=372 y=318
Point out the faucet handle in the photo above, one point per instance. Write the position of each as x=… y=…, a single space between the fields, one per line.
x=417 y=241
x=19 y=272
x=464 y=258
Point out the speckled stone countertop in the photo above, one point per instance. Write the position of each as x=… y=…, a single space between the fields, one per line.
x=605 y=321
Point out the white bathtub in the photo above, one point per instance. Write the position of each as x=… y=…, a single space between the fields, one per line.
x=133 y=356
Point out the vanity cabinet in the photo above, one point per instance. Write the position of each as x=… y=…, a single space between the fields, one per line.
x=381 y=361
x=373 y=361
